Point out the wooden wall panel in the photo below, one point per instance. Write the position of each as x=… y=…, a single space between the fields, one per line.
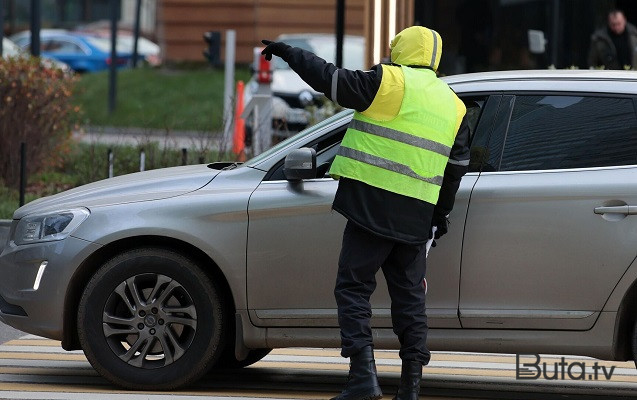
x=183 y=22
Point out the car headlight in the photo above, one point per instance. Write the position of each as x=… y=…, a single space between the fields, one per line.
x=48 y=227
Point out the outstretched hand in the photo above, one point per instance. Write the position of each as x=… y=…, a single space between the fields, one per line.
x=276 y=48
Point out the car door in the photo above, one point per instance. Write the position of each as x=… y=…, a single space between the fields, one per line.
x=293 y=245
x=294 y=241
x=548 y=232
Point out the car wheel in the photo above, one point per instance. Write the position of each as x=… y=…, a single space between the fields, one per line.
x=151 y=319
x=229 y=361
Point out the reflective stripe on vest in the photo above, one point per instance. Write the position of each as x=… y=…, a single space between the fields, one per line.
x=386 y=164
x=408 y=154
x=402 y=137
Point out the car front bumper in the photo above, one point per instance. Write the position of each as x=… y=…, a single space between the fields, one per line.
x=38 y=308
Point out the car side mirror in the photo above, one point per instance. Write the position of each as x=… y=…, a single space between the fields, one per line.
x=300 y=164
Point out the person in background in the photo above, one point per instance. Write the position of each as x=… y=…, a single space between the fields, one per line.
x=399 y=167
x=614 y=46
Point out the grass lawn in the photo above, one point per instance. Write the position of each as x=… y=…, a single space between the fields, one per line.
x=87 y=162
x=10 y=200
x=180 y=99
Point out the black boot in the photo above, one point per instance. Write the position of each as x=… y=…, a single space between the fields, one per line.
x=362 y=382
x=410 y=376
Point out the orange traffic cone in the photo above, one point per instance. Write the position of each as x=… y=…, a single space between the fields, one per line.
x=239 y=126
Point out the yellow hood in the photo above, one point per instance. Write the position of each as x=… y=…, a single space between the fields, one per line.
x=417 y=45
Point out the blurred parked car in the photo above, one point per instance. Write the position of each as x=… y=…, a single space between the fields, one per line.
x=83 y=53
x=151 y=52
x=291 y=94
x=10 y=49
x=160 y=275
x=148 y=51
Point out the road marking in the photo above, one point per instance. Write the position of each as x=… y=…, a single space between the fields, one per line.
x=34 y=368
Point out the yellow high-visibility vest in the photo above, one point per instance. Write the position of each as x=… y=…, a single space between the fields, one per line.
x=408 y=153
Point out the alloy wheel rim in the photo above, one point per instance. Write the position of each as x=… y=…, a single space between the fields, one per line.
x=149 y=320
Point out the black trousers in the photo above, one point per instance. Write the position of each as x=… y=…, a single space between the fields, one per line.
x=403 y=265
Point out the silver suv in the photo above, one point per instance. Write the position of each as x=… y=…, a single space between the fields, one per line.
x=161 y=275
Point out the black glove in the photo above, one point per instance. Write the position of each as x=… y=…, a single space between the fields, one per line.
x=276 y=48
x=441 y=226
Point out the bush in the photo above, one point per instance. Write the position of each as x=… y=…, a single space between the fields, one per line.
x=35 y=108
x=88 y=162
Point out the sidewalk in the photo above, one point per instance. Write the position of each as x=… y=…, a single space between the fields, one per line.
x=140 y=136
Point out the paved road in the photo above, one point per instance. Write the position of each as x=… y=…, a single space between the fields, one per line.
x=37 y=368
x=7 y=333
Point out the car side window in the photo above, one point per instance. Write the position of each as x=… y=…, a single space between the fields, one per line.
x=62 y=47
x=560 y=132
x=481 y=114
x=326 y=148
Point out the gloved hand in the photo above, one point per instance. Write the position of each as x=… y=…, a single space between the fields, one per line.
x=441 y=226
x=276 y=48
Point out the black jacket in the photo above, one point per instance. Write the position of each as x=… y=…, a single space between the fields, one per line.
x=603 y=52
x=401 y=218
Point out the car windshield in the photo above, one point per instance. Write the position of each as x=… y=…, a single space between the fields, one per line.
x=257 y=159
x=326 y=49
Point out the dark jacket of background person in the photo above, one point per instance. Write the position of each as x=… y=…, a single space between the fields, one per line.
x=603 y=51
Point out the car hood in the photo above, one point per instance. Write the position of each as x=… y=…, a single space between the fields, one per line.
x=286 y=81
x=142 y=186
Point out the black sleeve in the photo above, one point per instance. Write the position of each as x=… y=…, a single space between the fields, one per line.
x=457 y=166
x=352 y=89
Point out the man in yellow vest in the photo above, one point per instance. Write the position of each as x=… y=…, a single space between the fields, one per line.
x=399 y=167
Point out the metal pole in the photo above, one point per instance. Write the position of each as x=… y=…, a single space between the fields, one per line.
x=35 y=27
x=257 y=132
x=184 y=156
x=340 y=31
x=112 y=75
x=23 y=171
x=555 y=33
x=142 y=160
x=228 y=91
x=1 y=26
x=11 y=15
x=110 y=163
x=138 y=8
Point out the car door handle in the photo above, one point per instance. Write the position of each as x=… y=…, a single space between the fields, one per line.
x=625 y=210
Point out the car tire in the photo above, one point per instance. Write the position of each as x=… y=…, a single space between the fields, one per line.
x=229 y=361
x=150 y=318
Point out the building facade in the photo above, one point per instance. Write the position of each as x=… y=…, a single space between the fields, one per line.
x=181 y=23
x=478 y=35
